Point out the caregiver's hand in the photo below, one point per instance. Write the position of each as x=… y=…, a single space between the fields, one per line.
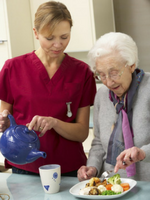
x=4 y=121
x=85 y=173
x=129 y=156
x=41 y=124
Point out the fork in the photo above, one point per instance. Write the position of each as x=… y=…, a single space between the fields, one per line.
x=105 y=174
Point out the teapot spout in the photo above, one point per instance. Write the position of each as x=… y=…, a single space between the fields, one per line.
x=34 y=155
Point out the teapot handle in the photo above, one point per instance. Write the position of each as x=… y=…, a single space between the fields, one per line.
x=12 y=120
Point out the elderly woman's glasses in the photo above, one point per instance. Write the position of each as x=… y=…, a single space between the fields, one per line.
x=113 y=75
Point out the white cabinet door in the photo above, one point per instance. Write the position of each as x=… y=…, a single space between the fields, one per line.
x=3 y=35
x=82 y=32
x=15 y=29
x=2 y=21
x=3 y=53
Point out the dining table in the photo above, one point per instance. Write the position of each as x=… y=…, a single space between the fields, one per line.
x=29 y=187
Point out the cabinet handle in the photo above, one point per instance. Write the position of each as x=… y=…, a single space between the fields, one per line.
x=2 y=41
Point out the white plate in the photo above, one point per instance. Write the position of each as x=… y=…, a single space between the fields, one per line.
x=76 y=189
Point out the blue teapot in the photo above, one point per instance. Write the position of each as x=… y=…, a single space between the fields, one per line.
x=19 y=145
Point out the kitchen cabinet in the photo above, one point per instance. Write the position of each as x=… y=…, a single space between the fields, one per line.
x=4 y=54
x=91 y=19
x=16 y=36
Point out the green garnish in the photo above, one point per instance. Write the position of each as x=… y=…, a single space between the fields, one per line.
x=114 y=179
x=110 y=192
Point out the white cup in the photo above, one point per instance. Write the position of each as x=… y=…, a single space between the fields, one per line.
x=50 y=178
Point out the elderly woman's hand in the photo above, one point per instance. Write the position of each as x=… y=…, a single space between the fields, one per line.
x=129 y=156
x=41 y=124
x=4 y=121
x=85 y=173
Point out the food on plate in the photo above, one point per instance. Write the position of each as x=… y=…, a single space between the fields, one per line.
x=87 y=185
x=94 y=191
x=117 y=188
x=109 y=192
x=93 y=181
x=85 y=191
x=102 y=188
x=96 y=182
x=114 y=179
x=110 y=186
x=125 y=186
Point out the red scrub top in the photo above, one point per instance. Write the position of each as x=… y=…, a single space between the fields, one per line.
x=24 y=83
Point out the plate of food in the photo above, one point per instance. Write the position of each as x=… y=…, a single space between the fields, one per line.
x=110 y=188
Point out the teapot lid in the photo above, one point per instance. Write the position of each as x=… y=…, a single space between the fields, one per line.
x=24 y=134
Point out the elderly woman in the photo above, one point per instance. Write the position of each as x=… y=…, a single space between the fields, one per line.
x=121 y=111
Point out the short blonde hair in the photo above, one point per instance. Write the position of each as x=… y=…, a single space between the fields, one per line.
x=114 y=42
x=49 y=14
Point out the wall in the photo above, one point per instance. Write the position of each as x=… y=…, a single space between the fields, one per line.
x=133 y=18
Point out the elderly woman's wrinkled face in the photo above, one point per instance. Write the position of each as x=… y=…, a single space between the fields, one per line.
x=115 y=74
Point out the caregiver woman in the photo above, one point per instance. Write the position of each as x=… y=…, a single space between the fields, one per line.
x=51 y=92
x=121 y=111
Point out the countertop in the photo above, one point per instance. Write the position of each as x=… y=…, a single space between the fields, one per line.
x=28 y=187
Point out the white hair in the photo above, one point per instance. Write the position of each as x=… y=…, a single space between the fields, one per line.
x=114 y=42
